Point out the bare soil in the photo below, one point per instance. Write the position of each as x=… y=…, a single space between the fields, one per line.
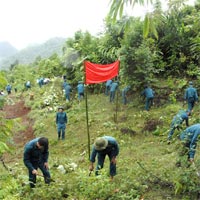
x=19 y=110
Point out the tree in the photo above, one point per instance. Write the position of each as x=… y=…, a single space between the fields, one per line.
x=140 y=59
x=20 y=74
x=110 y=42
x=50 y=67
x=117 y=9
x=83 y=46
x=3 y=80
x=117 y=6
x=178 y=39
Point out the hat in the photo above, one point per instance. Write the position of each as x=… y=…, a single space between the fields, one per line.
x=100 y=143
x=191 y=83
x=60 y=107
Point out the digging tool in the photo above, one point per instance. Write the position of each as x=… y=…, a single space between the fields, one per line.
x=90 y=173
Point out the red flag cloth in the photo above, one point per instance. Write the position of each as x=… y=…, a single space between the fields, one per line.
x=97 y=73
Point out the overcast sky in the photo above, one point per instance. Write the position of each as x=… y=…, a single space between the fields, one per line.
x=26 y=22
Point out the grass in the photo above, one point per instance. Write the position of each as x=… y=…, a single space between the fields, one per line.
x=146 y=163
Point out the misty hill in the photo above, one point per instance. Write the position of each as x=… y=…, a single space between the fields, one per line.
x=29 y=54
x=6 y=50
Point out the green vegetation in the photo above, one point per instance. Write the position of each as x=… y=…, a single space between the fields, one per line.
x=147 y=165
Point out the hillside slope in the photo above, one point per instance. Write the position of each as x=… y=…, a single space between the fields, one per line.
x=29 y=54
x=146 y=164
x=6 y=50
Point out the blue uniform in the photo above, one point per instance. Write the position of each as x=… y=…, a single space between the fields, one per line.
x=124 y=94
x=149 y=95
x=64 y=84
x=61 y=121
x=191 y=96
x=35 y=158
x=113 y=88
x=68 y=90
x=108 y=85
x=8 y=89
x=112 y=150
x=80 y=89
x=177 y=121
x=28 y=85
x=41 y=82
x=190 y=136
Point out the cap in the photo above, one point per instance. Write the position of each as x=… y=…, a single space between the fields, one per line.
x=60 y=107
x=100 y=143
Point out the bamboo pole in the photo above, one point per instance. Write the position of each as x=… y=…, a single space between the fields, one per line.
x=117 y=101
x=86 y=111
x=116 y=108
x=87 y=121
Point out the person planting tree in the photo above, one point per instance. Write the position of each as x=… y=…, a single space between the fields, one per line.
x=108 y=85
x=113 y=88
x=178 y=120
x=148 y=93
x=124 y=94
x=80 y=89
x=103 y=146
x=191 y=96
x=189 y=137
x=36 y=155
x=68 y=90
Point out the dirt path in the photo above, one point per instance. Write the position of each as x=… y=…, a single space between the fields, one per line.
x=19 y=110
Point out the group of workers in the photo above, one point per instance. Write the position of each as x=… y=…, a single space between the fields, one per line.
x=190 y=135
x=43 y=81
x=68 y=90
x=110 y=89
x=112 y=86
x=36 y=154
x=36 y=151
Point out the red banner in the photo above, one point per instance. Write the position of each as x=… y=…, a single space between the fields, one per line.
x=97 y=73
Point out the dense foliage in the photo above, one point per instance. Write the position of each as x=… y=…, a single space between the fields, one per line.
x=173 y=53
x=166 y=59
